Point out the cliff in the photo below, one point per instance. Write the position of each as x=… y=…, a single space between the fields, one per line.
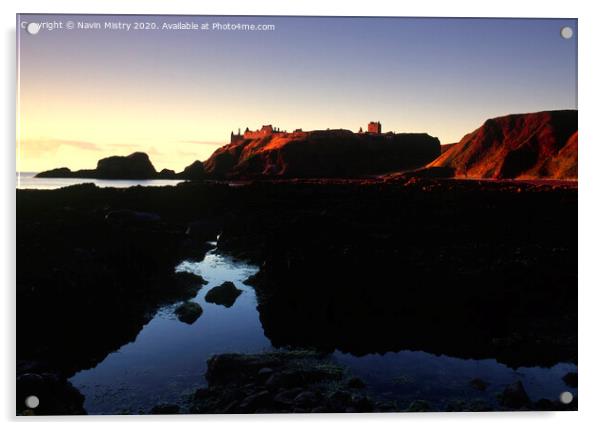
x=526 y=146
x=322 y=153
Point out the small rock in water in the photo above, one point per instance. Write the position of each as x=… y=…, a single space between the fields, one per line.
x=570 y=379
x=355 y=382
x=189 y=312
x=514 y=396
x=225 y=294
x=478 y=384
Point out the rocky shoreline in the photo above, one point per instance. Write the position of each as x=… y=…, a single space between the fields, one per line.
x=472 y=269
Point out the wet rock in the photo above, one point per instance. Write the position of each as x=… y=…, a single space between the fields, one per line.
x=320 y=410
x=57 y=396
x=189 y=312
x=283 y=380
x=514 y=396
x=287 y=397
x=296 y=382
x=362 y=403
x=339 y=400
x=356 y=382
x=306 y=399
x=468 y=406
x=386 y=406
x=224 y=294
x=189 y=282
x=261 y=399
x=419 y=406
x=545 y=405
x=203 y=229
x=570 y=379
x=165 y=409
x=478 y=384
x=127 y=217
x=264 y=373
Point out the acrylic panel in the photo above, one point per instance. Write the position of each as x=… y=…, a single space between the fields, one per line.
x=295 y=214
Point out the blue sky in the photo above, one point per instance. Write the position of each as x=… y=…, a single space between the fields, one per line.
x=178 y=94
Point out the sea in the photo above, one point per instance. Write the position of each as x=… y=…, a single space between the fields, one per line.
x=28 y=181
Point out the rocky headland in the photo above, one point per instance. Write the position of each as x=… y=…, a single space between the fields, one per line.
x=524 y=146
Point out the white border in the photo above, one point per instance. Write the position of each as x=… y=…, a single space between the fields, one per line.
x=590 y=216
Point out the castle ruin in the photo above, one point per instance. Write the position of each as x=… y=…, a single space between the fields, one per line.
x=374 y=127
x=265 y=130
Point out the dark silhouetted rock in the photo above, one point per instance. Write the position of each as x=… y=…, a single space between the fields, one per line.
x=133 y=166
x=62 y=172
x=131 y=218
x=419 y=406
x=514 y=396
x=167 y=174
x=533 y=146
x=322 y=154
x=570 y=379
x=204 y=229
x=56 y=395
x=224 y=294
x=165 y=409
x=189 y=312
x=251 y=403
x=306 y=399
x=478 y=384
x=355 y=382
x=236 y=385
x=189 y=282
x=196 y=171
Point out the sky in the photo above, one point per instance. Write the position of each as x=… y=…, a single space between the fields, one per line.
x=85 y=94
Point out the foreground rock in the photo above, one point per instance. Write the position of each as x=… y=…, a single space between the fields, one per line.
x=189 y=312
x=224 y=294
x=165 y=409
x=570 y=379
x=535 y=145
x=335 y=273
x=279 y=382
x=341 y=263
x=102 y=271
x=56 y=395
x=514 y=396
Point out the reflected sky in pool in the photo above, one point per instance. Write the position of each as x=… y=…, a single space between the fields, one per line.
x=167 y=361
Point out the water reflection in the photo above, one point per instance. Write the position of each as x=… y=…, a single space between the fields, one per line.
x=167 y=360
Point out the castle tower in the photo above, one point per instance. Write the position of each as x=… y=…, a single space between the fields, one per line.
x=374 y=127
